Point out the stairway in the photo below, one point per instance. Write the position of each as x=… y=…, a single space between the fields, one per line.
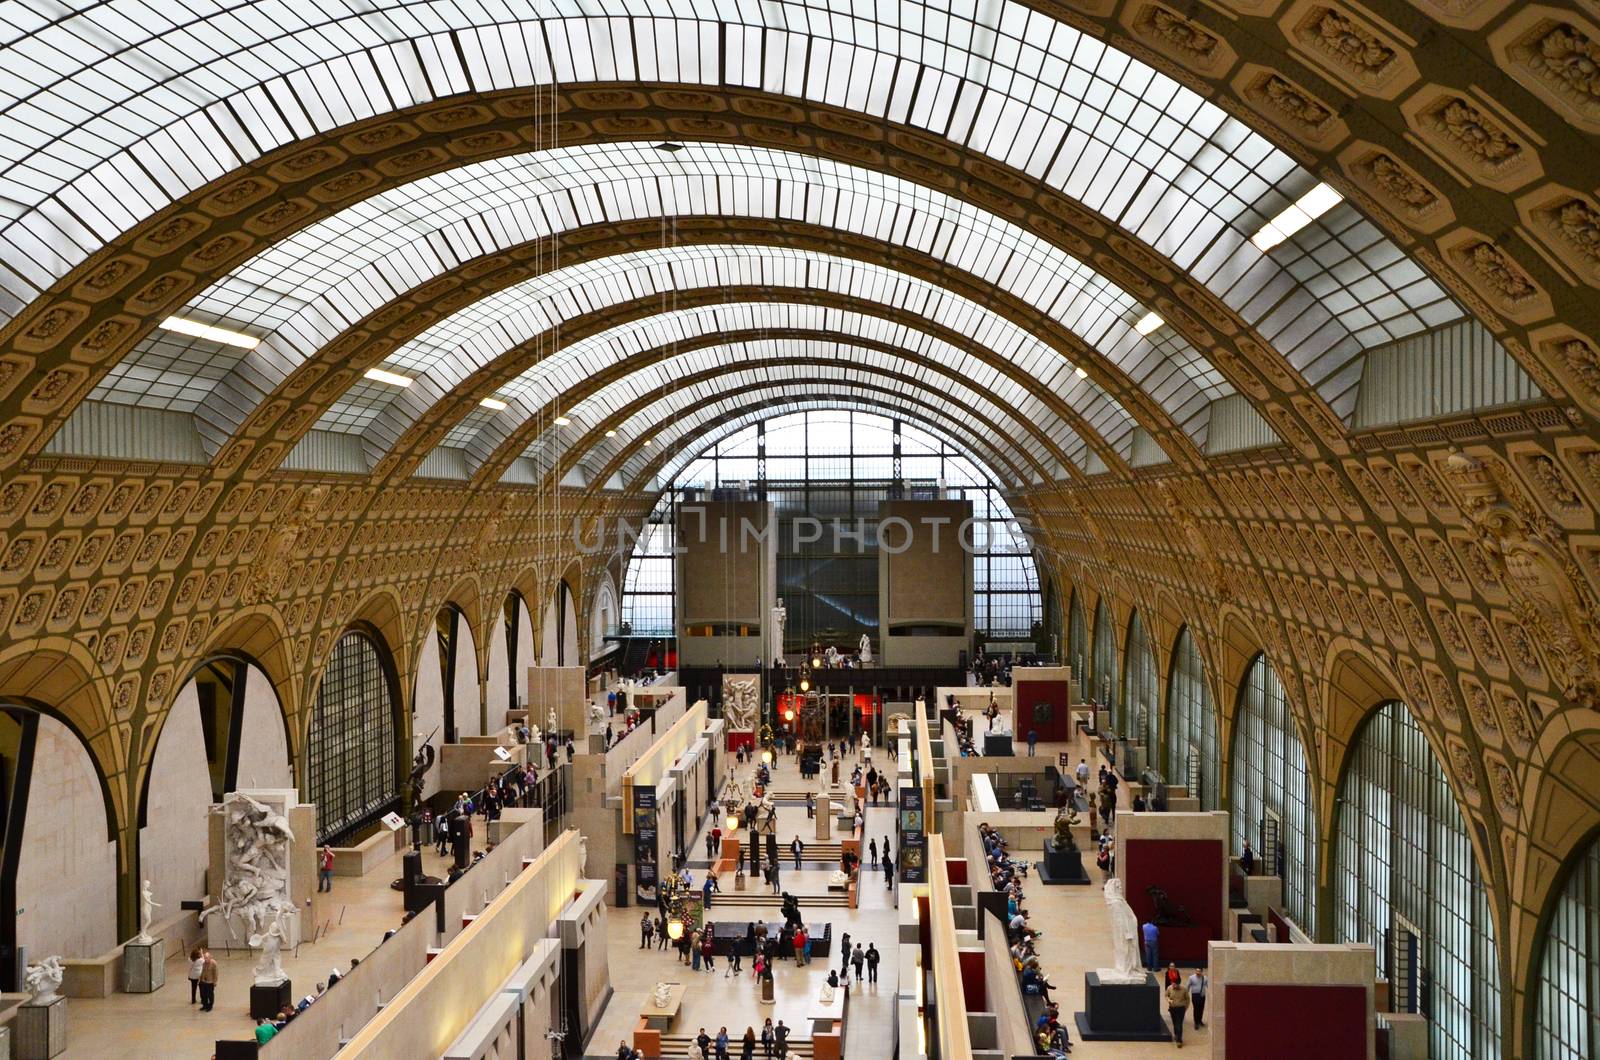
x=765 y=898
x=678 y=1045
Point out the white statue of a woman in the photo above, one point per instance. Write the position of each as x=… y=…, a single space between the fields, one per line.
x=866 y=648
x=269 y=969
x=1126 y=965
x=147 y=913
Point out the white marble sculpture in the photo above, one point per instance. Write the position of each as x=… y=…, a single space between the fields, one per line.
x=827 y=994
x=551 y=722
x=661 y=995
x=255 y=893
x=780 y=618
x=44 y=979
x=741 y=700
x=1127 y=966
x=147 y=914
x=269 y=967
x=831 y=656
x=583 y=854
x=597 y=713
x=866 y=648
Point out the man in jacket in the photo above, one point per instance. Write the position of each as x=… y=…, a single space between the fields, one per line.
x=208 y=982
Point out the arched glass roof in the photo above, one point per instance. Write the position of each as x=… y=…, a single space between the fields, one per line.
x=444 y=354
x=482 y=431
x=661 y=386
x=721 y=404
x=121 y=108
x=302 y=292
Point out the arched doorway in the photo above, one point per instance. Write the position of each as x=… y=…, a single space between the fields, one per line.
x=58 y=862
x=1191 y=728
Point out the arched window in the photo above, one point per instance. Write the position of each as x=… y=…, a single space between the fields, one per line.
x=1105 y=686
x=351 y=770
x=1406 y=882
x=1567 y=1000
x=1141 y=702
x=1271 y=791
x=1078 y=645
x=1191 y=724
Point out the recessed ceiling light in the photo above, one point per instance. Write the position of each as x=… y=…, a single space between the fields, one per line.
x=1307 y=208
x=208 y=331
x=562 y=421
x=378 y=375
x=611 y=434
x=669 y=146
x=649 y=441
x=1148 y=323
x=1081 y=373
x=493 y=403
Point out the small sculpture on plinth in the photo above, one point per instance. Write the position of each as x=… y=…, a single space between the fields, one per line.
x=827 y=994
x=551 y=722
x=269 y=969
x=583 y=854
x=597 y=714
x=866 y=648
x=1126 y=964
x=791 y=909
x=1065 y=820
x=44 y=979
x=661 y=995
x=147 y=913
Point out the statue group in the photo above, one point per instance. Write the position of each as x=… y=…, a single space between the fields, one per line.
x=255 y=892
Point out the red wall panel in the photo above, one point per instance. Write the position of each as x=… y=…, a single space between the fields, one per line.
x=956 y=868
x=1265 y=1022
x=1190 y=871
x=974 y=983
x=1057 y=729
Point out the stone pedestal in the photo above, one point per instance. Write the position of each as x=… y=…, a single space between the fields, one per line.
x=824 y=818
x=41 y=1030
x=766 y=991
x=1122 y=1012
x=268 y=999
x=1062 y=866
x=144 y=967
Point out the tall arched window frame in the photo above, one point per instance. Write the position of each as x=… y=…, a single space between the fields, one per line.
x=1405 y=876
x=1566 y=1021
x=1191 y=730
x=1271 y=784
x=1141 y=696
x=351 y=769
x=1105 y=687
x=1078 y=645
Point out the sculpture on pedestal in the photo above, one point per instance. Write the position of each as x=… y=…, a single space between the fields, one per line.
x=551 y=721
x=256 y=871
x=597 y=714
x=1065 y=819
x=421 y=762
x=583 y=854
x=147 y=907
x=661 y=995
x=780 y=618
x=866 y=648
x=1126 y=964
x=1168 y=913
x=44 y=979
x=269 y=968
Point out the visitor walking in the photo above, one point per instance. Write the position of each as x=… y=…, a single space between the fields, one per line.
x=858 y=960
x=1177 y=1002
x=1033 y=742
x=325 y=869
x=747 y=1046
x=722 y=1044
x=797 y=848
x=646 y=929
x=661 y=934
x=767 y=1038
x=1197 y=995
x=872 y=963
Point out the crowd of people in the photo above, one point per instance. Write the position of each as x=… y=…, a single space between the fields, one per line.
x=1007 y=875
x=267 y=1027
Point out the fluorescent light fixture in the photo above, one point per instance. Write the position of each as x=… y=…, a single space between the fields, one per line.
x=562 y=421
x=493 y=403
x=611 y=434
x=207 y=331
x=1081 y=373
x=378 y=375
x=1307 y=208
x=1148 y=323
